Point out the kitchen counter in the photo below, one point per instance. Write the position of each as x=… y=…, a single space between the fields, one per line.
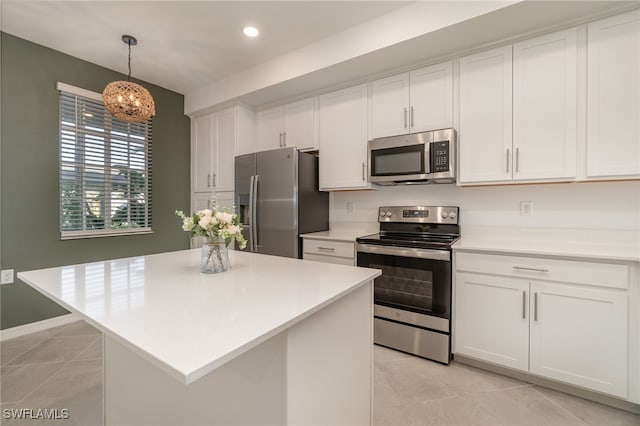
x=160 y=313
x=603 y=245
x=343 y=233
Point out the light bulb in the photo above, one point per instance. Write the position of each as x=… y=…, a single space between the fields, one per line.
x=251 y=31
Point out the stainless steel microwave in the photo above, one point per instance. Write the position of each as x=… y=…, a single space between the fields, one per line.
x=418 y=158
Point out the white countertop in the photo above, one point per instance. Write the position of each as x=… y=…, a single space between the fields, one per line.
x=343 y=233
x=189 y=323
x=605 y=245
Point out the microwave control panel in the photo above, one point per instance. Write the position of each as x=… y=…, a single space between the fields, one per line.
x=439 y=157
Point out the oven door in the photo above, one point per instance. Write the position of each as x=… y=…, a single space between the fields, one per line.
x=415 y=285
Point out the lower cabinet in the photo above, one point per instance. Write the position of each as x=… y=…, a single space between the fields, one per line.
x=329 y=251
x=568 y=332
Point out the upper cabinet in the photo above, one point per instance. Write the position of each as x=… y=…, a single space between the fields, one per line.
x=412 y=102
x=485 y=131
x=545 y=107
x=613 y=97
x=342 y=129
x=518 y=111
x=216 y=137
x=292 y=124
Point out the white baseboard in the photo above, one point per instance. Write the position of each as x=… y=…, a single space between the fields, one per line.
x=33 y=327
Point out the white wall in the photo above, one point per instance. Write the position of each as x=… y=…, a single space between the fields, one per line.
x=584 y=205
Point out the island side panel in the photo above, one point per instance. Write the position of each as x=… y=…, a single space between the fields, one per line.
x=248 y=390
x=330 y=363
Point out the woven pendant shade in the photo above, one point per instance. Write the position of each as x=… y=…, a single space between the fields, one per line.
x=125 y=100
x=128 y=101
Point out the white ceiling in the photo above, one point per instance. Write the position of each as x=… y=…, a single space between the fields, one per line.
x=183 y=45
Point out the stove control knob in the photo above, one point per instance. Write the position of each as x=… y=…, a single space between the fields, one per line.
x=452 y=215
x=444 y=214
x=388 y=214
x=381 y=213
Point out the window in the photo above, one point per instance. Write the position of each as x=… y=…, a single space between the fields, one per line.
x=105 y=169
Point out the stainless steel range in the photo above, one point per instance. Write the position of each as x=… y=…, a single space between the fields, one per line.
x=412 y=297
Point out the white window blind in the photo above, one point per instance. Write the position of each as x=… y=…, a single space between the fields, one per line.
x=105 y=169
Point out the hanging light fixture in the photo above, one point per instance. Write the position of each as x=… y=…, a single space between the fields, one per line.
x=126 y=100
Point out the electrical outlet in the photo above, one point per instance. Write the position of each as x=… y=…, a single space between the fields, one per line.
x=350 y=208
x=526 y=208
x=6 y=277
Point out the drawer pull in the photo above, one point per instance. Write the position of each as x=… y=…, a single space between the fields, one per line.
x=327 y=248
x=524 y=268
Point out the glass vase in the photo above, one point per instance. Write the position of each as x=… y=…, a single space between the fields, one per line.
x=214 y=256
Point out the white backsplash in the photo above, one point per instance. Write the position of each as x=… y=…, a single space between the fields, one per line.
x=584 y=206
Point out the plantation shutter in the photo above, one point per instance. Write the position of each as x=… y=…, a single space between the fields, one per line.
x=105 y=169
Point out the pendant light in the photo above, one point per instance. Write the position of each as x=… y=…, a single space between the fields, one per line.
x=125 y=100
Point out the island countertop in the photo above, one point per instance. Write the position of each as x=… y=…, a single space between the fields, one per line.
x=188 y=323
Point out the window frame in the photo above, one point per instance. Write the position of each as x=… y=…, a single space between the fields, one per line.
x=108 y=168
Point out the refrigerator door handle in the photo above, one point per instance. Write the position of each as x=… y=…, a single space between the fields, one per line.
x=254 y=200
x=251 y=213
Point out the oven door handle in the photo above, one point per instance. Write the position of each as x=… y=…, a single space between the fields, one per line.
x=405 y=252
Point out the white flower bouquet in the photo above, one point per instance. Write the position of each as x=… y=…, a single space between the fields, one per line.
x=213 y=225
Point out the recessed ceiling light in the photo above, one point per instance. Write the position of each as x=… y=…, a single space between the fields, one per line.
x=250 y=31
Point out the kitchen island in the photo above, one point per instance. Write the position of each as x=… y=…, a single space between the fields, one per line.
x=272 y=341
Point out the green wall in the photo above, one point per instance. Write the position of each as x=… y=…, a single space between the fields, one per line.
x=29 y=211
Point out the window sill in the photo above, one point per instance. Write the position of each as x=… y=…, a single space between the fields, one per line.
x=75 y=235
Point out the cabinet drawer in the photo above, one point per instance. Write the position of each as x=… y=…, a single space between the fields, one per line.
x=569 y=271
x=329 y=248
x=328 y=259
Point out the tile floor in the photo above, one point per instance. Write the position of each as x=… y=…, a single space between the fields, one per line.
x=62 y=368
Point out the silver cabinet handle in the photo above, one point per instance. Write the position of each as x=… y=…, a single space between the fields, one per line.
x=524 y=268
x=327 y=248
x=284 y=138
x=363 y=167
x=208 y=180
x=209 y=204
x=280 y=140
x=524 y=303
x=517 y=160
x=405 y=118
x=508 y=158
x=214 y=180
x=412 y=117
x=535 y=306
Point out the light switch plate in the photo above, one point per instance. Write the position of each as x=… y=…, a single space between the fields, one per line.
x=6 y=277
x=526 y=208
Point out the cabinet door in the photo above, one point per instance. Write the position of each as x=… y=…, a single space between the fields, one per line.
x=579 y=336
x=343 y=139
x=390 y=106
x=491 y=319
x=270 y=128
x=431 y=96
x=299 y=125
x=225 y=153
x=613 y=96
x=246 y=140
x=485 y=136
x=545 y=106
x=202 y=154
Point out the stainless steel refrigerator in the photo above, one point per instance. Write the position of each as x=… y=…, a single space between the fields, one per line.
x=277 y=198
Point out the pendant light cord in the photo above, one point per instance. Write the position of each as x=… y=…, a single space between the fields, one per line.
x=129 y=75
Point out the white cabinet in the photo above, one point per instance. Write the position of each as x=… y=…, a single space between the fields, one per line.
x=545 y=107
x=579 y=336
x=343 y=139
x=412 y=102
x=292 y=124
x=215 y=137
x=492 y=319
x=564 y=320
x=329 y=251
x=518 y=111
x=202 y=153
x=613 y=97
x=484 y=134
